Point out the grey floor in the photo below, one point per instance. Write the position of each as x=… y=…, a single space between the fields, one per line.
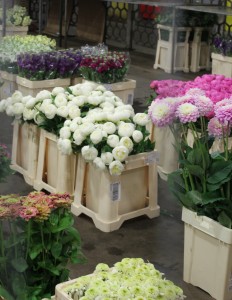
x=158 y=240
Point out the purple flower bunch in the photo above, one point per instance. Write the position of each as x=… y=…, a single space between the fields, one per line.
x=106 y=68
x=222 y=45
x=49 y=65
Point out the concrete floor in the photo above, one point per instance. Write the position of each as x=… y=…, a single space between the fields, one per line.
x=158 y=240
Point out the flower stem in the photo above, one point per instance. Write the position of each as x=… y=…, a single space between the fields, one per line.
x=2 y=248
x=28 y=238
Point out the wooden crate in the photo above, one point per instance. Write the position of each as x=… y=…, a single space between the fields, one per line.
x=111 y=200
x=25 y=149
x=55 y=172
x=124 y=89
x=221 y=65
x=14 y=30
x=76 y=80
x=29 y=87
x=9 y=86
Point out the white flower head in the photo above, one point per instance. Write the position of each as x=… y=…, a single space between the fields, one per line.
x=108 y=94
x=73 y=126
x=44 y=94
x=141 y=119
x=86 y=128
x=127 y=142
x=62 y=111
x=3 y=105
x=10 y=110
x=100 y=88
x=78 y=137
x=80 y=100
x=116 y=168
x=74 y=112
x=67 y=122
x=89 y=153
x=65 y=146
x=99 y=163
x=18 y=109
x=109 y=127
x=107 y=157
x=120 y=153
x=17 y=97
x=30 y=103
x=137 y=136
x=126 y=129
x=95 y=100
x=50 y=111
x=113 y=140
x=44 y=104
x=65 y=132
x=60 y=100
x=58 y=90
x=96 y=136
x=38 y=118
x=28 y=114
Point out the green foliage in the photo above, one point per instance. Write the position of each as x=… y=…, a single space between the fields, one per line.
x=5 y=169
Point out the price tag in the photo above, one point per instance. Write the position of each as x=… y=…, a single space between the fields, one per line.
x=152 y=157
x=130 y=99
x=115 y=191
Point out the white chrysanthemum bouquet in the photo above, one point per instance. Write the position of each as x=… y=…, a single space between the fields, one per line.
x=17 y=16
x=130 y=278
x=87 y=119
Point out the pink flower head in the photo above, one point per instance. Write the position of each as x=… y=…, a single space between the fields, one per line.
x=224 y=114
x=215 y=128
x=195 y=92
x=28 y=212
x=223 y=102
x=204 y=105
x=161 y=113
x=187 y=112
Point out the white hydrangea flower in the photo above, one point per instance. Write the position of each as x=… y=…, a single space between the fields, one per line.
x=2 y=105
x=116 y=168
x=120 y=153
x=73 y=126
x=95 y=100
x=77 y=120
x=65 y=146
x=126 y=129
x=44 y=94
x=137 y=136
x=100 y=88
x=65 y=132
x=89 y=153
x=50 y=111
x=80 y=100
x=110 y=100
x=58 y=90
x=141 y=119
x=18 y=109
x=62 y=111
x=113 y=140
x=67 y=122
x=99 y=163
x=44 y=104
x=109 y=94
x=96 y=136
x=60 y=100
x=28 y=114
x=107 y=157
x=30 y=102
x=109 y=127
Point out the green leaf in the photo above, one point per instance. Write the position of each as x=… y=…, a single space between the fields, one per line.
x=19 y=264
x=56 y=249
x=5 y=294
x=225 y=220
x=64 y=223
x=194 y=197
x=35 y=250
x=74 y=233
x=220 y=172
x=18 y=283
x=196 y=170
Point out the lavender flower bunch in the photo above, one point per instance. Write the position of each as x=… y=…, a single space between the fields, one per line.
x=222 y=45
x=107 y=68
x=49 y=65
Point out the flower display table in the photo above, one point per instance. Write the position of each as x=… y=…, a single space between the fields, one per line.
x=29 y=87
x=55 y=171
x=9 y=85
x=25 y=149
x=124 y=89
x=207 y=255
x=221 y=65
x=111 y=200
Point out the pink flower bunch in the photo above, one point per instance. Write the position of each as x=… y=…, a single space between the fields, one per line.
x=168 y=88
x=216 y=129
x=37 y=205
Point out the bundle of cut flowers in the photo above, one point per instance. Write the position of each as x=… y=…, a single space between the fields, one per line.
x=215 y=87
x=222 y=45
x=109 y=67
x=130 y=278
x=49 y=65
x=12 y=46
x=17 y=16
x=5 y=169
x=88 y=119
x=202 y=130
x=37 y=241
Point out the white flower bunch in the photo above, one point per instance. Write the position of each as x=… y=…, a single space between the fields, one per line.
x=130 y=278
x=17 y=16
